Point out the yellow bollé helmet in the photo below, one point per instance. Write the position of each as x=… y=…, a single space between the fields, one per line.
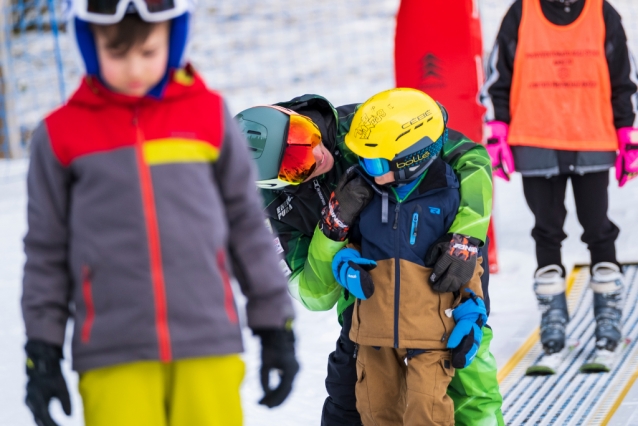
x=400 y=130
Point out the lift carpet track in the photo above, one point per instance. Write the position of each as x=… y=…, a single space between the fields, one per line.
x=571 y=397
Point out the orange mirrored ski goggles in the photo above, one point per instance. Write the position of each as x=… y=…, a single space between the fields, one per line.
x=297 y=160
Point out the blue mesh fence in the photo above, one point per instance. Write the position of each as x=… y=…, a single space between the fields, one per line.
x=253 y=51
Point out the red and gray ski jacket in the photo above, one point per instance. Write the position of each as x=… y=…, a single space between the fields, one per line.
x=136 y=208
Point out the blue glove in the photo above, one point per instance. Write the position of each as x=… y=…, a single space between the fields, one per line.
x=466 y=337
x=351 y=271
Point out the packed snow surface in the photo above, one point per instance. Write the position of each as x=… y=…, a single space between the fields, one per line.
x=514 y=314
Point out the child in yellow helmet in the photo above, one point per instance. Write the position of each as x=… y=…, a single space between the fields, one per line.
x=410 y=332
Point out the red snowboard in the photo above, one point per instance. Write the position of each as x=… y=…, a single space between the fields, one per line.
x=438 y=49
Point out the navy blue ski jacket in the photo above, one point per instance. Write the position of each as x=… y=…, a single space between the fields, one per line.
x=404 y=311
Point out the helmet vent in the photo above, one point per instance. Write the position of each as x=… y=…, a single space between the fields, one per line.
x=402 y=134
x=430 y=119
x=252 y=132
x=372 y=144
x=417 y=126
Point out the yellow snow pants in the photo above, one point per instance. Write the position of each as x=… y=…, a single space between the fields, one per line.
x=188 y=392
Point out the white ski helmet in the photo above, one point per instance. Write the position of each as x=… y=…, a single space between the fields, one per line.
x=81 y=13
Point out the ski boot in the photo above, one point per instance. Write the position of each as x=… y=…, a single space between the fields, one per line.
x=607 y=284
x=549 y=286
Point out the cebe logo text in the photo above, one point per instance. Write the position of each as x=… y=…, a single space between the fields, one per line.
x=417 y=119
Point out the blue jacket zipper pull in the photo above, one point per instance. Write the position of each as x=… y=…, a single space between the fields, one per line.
x=396 y=216
x=415 y=223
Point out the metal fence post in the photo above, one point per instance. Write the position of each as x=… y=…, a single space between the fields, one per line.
x=58 y=53
x=10 y=127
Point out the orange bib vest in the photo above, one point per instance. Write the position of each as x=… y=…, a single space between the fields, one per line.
x=561 y=91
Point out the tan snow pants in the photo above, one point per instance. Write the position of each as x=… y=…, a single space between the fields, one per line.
x=393 y=390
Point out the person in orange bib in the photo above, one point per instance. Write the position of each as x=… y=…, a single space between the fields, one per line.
x=561 y=99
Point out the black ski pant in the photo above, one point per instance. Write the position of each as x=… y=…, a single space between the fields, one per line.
x=546 y=198
x=340 y=408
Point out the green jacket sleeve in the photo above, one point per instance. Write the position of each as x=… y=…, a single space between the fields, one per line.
x=316 y=286
x=473 y=167
x=309 y=262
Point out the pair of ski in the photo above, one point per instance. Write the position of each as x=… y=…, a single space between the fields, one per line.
x=602 y=361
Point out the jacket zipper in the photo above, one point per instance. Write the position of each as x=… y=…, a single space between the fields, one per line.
x=87 y=293
x=154 y=247
x=229 y=302
x=397 y=269
x=396 y=216
x=397 y=274
x=415 y=224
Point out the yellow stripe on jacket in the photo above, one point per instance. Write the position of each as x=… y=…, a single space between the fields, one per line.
x=177 y=150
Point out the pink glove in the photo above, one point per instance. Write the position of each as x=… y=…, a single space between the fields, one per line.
x=627 y=161
x=499 y=150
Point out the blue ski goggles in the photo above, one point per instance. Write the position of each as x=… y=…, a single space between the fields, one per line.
x=375 y=167
x=420 y=152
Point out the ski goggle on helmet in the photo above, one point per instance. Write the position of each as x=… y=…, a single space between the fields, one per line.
x=106 y=12
x=281 y=142
x=400 y=131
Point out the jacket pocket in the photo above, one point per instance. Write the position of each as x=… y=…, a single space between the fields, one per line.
x=443 y=408
x=361 y=390
x=444 y=312
x=423 y=323
x=87 y=295
x=356 y=321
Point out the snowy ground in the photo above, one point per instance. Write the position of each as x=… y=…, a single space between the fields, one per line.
x=513 y=317
x=346 y=64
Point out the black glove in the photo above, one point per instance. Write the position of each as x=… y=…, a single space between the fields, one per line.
x=45 y=381
x=277 y=353
x=453 y=259
x=350 y=196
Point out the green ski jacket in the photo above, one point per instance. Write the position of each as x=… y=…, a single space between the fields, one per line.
x=293 y=213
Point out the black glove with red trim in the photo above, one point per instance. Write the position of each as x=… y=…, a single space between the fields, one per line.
x=350 y=196
x=45 y=381
x=277 y=353
x=453 y=260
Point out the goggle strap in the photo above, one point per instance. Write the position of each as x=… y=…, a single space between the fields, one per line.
x=272 y=183
x=280 y=109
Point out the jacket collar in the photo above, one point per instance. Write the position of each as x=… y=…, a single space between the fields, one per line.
x=439 y=176
x=183 y=82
